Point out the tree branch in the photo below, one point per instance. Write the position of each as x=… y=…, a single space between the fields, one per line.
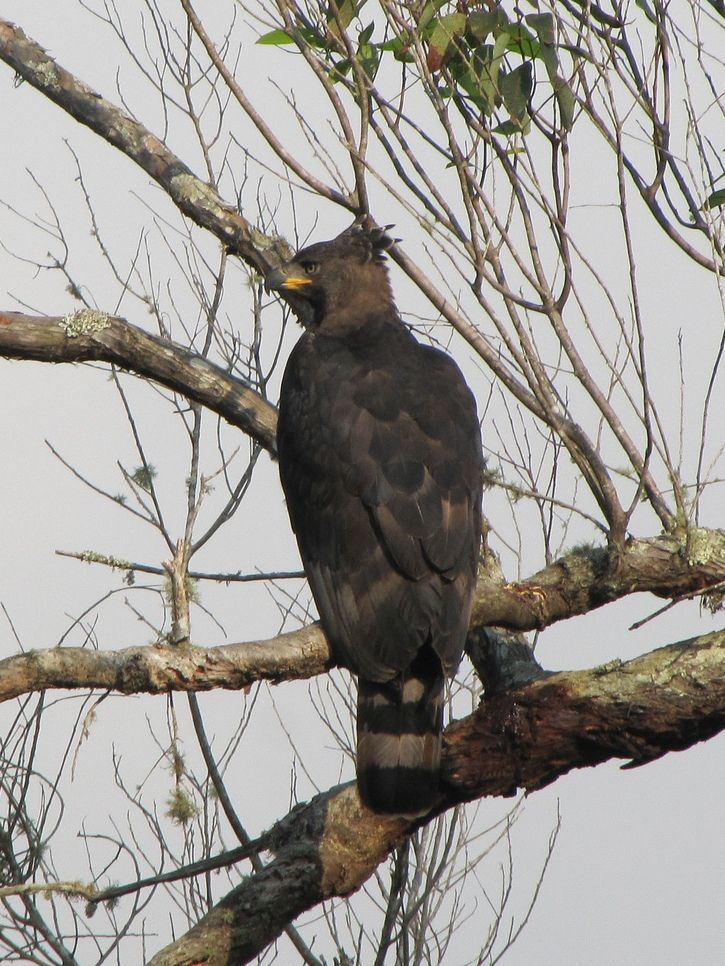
x=160 y=668
x=89 y=336
x=576 y=583
x=521 y=739
x=324 y=849
x=192 y=196
x=526 y=738
x=669 y=566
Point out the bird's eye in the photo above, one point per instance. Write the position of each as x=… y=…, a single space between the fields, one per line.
x=311 y=268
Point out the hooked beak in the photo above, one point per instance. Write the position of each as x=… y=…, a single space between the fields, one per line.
x=279 y=280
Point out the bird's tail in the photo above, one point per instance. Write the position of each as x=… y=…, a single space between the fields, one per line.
x=399 y=725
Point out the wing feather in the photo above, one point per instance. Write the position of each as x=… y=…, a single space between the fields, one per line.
x=382 y=479
x=380 y=461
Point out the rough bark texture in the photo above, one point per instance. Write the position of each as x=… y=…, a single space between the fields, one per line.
x=94 y=336
x=670 y=566
x=196 y=199
x=526 y=738
x=158 y=669
x=519 y=739
x=326 y=848
x=559 y=591
x=531 y=728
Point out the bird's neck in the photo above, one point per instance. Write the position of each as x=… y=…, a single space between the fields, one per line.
x=360 y=320
x=363 y=301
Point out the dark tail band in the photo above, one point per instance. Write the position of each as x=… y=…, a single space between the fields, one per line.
x=399 y=726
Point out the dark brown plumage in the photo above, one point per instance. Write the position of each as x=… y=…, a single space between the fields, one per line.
x=380 y=461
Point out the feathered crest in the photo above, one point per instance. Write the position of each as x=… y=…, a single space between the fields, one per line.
x=365 y=240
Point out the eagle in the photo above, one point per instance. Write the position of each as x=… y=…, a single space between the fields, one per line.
x=380 y=461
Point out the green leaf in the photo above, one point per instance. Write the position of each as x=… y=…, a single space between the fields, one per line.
x=280 y=38
x=340 y=70
x=543 y=24
x=715 y=200
x=366 y=34
x=276 y=38
x=508 y=128
x=480 y=80
x=369 y=58
x=567 y=103
x=500 y=47
x=476 y=93
x=551 y=61
x=482 y=77
x=516 y=90
x=483 y=23
x=347 y=10
x=400 y=49
x=523 y=41
x=445 y=32
x=429 y=11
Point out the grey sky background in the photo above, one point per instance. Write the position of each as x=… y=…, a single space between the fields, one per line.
x=638 y=872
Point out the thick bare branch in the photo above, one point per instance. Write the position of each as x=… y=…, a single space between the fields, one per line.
x=522 y=739
x=575 y=584
x=327 y=848
x=194 y=197
x=90 y=336
x=667 y=566
x=526 y=738
x=158 y=669
x=487 y=204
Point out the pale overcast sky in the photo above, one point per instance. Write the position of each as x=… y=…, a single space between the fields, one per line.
x=638 y=871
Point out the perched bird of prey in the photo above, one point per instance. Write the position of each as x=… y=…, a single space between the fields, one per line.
x=380 y=460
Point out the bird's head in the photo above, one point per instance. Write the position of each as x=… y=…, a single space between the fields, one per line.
x=336 y=281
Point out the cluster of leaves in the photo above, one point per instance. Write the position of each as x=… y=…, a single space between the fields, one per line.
x=468 y=54
x=475 y=49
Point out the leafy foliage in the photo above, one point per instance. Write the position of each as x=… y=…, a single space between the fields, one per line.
x=483 y=58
